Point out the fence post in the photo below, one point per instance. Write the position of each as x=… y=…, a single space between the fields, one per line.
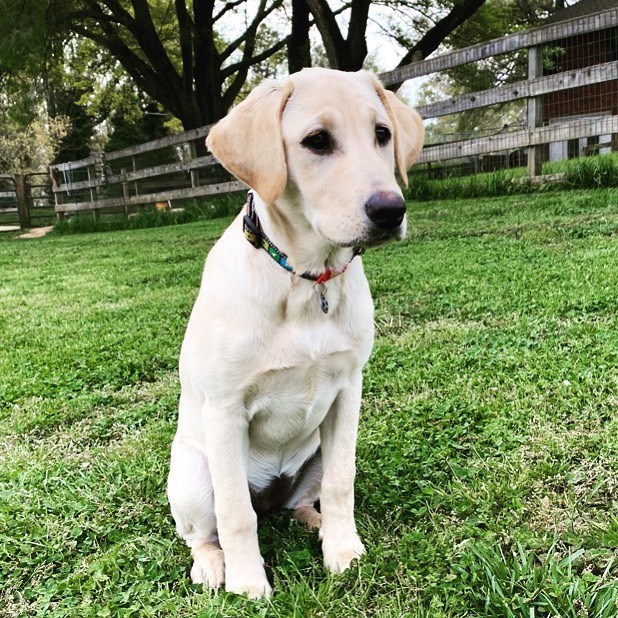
x=535 y=109
x=194 y=173
x=135 y=187
x=22 y=206
x=125 y=192
x=28 y=197
x=96 y=215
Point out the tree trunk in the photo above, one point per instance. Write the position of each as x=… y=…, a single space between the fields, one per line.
x=299 y=46
x=333 y=40
x=356 y=41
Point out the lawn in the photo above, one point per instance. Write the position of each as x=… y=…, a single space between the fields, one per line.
x=488 y=449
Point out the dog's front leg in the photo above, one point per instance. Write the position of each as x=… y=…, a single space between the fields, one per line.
x=340 y=542
x=227 y=444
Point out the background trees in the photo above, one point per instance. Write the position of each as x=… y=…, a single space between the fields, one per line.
x=130 y=70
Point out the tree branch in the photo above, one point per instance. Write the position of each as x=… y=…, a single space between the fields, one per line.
x=245 y=63
x=299 y=44
x=185 y=31
x=432 y=39
x=228 y=7
x=141 y=73
x=261 y=14
x=356 y=39
x=146 y=34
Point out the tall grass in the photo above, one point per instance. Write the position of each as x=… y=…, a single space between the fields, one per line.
x=582 y=173
x=587 y=172
x=492 y=184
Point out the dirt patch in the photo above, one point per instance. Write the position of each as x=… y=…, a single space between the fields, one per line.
x=37 y=232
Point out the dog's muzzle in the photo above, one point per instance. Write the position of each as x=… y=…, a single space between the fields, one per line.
x=386 y=210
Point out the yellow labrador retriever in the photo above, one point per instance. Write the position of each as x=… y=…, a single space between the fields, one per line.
x=271 y=362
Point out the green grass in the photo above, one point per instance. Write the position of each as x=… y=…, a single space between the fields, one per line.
x=488 y=449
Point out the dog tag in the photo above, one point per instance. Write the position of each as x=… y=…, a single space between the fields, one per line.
x=323 y=302
x=320 y=288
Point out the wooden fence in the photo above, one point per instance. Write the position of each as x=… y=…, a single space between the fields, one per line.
x=119 y=181
x=26 y=200
x=177 y=168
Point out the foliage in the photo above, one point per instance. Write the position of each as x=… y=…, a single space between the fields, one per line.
x=487 y=470
x=106 y=110
x=30 y=148
x=28 y=139
x=22 y=35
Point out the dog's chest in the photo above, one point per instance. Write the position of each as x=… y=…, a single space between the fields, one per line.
x=302 y=374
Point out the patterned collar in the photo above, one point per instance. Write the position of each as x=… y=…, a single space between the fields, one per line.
x=255 y=235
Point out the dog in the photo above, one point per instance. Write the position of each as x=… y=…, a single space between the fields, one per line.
x=271 y=362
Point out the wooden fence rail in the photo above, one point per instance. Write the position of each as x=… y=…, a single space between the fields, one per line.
x=177 y=167
x=520 y=139
x=93 y=184
x=503 y=45
x=522 y=90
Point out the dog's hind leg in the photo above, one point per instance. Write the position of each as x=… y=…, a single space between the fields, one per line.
x=192 y=503
x=308 y=516
x=304 y=498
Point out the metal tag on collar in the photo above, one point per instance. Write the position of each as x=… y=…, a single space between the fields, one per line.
x=252 y=232
x=320 y=288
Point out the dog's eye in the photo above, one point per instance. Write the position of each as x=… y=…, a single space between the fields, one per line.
x=319 y=142
x=383 y=135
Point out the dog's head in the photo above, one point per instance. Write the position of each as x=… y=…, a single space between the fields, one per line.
x=328 y=141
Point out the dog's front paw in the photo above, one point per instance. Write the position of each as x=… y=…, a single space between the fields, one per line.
x=208 y=566
x=249 y=581
x=339 y=553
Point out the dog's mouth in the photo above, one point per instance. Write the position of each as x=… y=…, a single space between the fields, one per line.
x=370 y=235
x=374 y=237
x=380 y=236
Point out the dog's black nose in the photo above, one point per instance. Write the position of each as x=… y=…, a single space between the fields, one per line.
x=386 y=209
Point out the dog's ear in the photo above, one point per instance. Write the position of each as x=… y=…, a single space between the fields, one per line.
x=409 y=130
x=248 y=141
